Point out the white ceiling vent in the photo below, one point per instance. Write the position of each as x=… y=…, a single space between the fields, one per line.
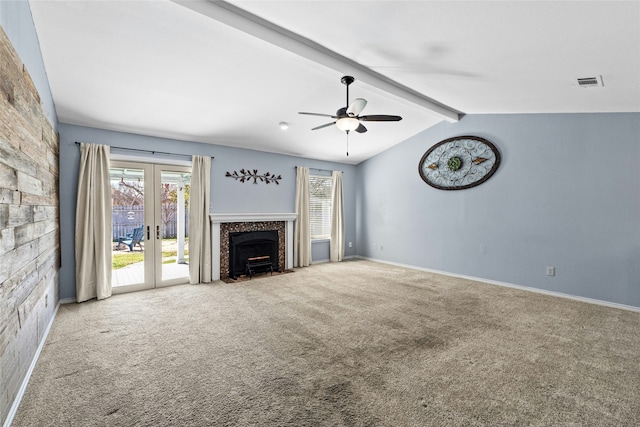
x=590 y=81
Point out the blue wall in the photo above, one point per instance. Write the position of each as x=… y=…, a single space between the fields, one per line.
x=567 y=195
x=227 y=194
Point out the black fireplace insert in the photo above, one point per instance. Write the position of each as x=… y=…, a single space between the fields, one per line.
x=251 y=244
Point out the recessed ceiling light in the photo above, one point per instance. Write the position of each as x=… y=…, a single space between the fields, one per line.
x=283 y=125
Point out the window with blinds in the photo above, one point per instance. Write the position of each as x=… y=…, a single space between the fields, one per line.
x=320 y=206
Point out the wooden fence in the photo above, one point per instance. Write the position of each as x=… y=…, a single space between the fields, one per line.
x=126 y=218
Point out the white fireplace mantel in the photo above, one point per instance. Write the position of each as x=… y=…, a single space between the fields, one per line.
x=221 y=218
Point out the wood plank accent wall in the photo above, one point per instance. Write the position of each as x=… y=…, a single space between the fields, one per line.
x=29 y=223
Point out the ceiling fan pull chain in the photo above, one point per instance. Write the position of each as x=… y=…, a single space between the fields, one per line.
x=347 y=143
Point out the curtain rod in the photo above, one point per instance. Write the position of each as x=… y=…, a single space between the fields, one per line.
x=318 y=169
x=147 y=151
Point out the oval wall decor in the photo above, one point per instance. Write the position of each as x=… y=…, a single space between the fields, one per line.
x=458 y=163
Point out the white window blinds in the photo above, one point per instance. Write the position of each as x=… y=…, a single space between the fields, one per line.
x=320 y=206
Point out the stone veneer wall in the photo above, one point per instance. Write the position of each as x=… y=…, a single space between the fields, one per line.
x=233 y=227
x=29 y=223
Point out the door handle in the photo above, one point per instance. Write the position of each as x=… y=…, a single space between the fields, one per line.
x=157 y=232
x=148 y=232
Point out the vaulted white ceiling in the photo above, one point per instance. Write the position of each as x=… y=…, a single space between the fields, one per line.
x=228 y=73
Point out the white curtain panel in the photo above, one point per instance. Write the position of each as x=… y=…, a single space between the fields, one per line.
x=301 y=231
x=93 y=224
x=336 y=250
x=199 y=224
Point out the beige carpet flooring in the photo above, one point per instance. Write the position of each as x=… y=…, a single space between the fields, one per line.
x=356 y=343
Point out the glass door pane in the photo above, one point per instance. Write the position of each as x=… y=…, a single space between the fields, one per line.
x=172 y=224
x=129 y=226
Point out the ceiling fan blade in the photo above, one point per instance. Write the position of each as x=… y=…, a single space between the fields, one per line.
x=356 y=106
x=380 y=118
x=361 y=128
x=318 y=114
x=323 y=126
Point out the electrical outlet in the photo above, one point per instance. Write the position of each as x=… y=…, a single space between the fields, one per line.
x=350 y=244
x=551 y=271
x=381 y=248
x=46 y=300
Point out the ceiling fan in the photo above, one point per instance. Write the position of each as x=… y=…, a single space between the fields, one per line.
x=348 y=118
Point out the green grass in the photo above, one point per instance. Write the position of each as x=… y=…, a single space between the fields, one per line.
x=123 y=259
x=127 y=258
x=166 y=254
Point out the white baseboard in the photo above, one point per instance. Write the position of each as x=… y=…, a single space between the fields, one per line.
x=322 y=261
x=511 y=285
x=25 y=381
x=67 y=301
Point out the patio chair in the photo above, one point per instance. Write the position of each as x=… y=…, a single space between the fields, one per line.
x=134 y=238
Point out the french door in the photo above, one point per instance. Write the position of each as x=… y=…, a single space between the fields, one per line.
x=149 y=225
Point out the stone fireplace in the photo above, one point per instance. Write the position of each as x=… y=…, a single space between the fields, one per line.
x=225 y=225
x=235 y=248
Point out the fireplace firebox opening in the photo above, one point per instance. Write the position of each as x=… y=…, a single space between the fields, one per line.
x=252 y=244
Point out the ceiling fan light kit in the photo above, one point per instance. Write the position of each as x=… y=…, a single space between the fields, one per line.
x=347 y=124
